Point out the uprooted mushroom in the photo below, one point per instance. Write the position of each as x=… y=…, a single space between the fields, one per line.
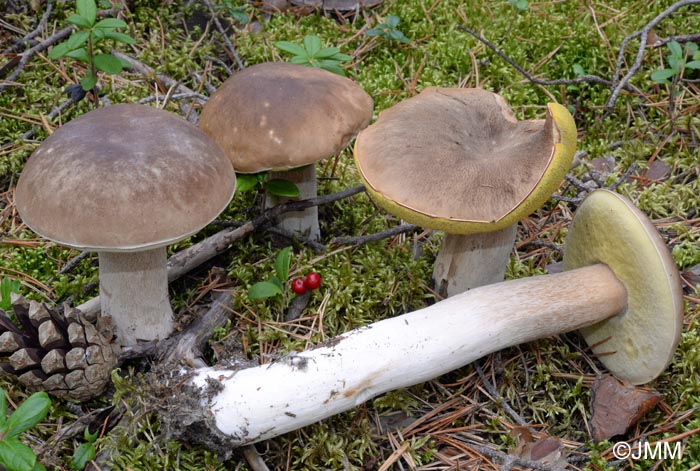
x=622 y=289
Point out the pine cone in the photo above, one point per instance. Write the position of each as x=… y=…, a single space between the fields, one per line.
x=64 y=355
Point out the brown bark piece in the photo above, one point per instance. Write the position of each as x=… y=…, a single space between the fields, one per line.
x=615 y=406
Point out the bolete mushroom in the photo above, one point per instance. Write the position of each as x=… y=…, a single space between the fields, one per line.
x=126 y=181
x=283 y=118
x=622 y=289
x=457 y=160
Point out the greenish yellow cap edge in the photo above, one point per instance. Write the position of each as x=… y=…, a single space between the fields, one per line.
x=549 y=182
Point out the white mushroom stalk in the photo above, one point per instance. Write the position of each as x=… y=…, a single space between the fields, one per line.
x=304 y=222
x=134 y=292
x=299 y=389
x=622 y=289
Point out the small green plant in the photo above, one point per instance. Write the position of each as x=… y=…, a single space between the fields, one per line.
x=273 y=286
x=519 y=4
x=237 y=12
x=81 y=45
x=388 y=30
x=677 y=61
x=313 y=54
x=85 y=451
x=15 y=455
x=276 y=186
x=7 y=287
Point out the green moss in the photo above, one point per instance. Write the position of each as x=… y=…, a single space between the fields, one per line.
x=378 y=280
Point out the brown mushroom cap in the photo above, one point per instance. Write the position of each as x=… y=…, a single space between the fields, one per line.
x=278 y=116
x=456 y=159
x=124 y=178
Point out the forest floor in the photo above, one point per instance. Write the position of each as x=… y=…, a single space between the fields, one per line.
x=638 y=132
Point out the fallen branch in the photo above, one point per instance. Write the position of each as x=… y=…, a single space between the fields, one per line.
x=222 y=31
x=35 y=32
x=192 y=257
x=186 y=347
x=620 y=84
x=168 y=82
x=535 y=80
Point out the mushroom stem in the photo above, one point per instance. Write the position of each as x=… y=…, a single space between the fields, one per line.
x=303 y=222
x=258 y=403
x=134 y=292
x=469 y=261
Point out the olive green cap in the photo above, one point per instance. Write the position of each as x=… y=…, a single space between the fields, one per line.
x=124 y=178
x=279 y=116
x=456 y=159
x=637 y=344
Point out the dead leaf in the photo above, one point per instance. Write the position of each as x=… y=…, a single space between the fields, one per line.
x=615 y=407
x=547 y=450
x=657 y=171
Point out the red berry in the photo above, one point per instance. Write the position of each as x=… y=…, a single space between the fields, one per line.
x=299 y=285
x=312 y=280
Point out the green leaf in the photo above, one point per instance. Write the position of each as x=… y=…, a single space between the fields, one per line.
x=59 y=50
x=88 y=82
x=79 y=54
x=77 y=39
x=692 y=65
x=340 y=57
x=110 y=23
x=282 y=263
x=661 y=75
x=332 y=66
x=291 y=48
x=398 y=36
x=90 y=437
x=3 y=407
x=275 y=281
x=281 y=187
x=29 y=413
x=299 y=60
x=84 y=453
x=392 y=21
x=79 y=21
x=125 y=63
x=16 y=456
x=312 y=44
x=675 y=49
x=326 y=52
x=107 y=63
x=579 y=70
x=263 y=290
x=374 y=32
x=87 y=9
x=246 y=182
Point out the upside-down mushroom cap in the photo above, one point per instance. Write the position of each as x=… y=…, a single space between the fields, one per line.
x=456 y=159
x=637 y=344
x=124 y=178
x=279 y=116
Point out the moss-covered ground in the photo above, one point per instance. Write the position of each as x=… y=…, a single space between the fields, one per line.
x=547 y=382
